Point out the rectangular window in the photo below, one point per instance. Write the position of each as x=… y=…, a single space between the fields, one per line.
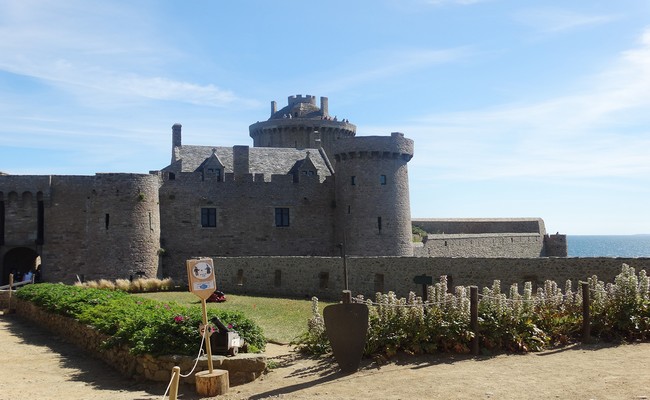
x=353 y=180
x=107 y=220
x=281 y=217
x=379 y=224
x=208 y=217
x=215 y=172
x=277 y=281
x=382 y=179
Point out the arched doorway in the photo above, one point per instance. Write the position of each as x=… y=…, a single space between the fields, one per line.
x=18 y=261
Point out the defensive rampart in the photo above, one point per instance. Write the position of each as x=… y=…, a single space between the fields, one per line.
x=323 y=276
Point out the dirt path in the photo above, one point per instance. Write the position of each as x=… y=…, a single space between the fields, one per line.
x=37 y=366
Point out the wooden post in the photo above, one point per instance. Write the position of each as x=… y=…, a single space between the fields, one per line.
x=213 y=383
x=473 y=311
x=208 y=349
x=9 y=310
x=586 y=318
x=173 y=389
x=346 y=297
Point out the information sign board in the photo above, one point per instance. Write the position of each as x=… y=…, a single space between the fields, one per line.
x=201 y=277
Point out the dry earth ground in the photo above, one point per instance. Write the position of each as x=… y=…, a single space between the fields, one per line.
x=36 y=365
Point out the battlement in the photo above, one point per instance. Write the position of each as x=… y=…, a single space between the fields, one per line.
x=301 y=99
x=394 y=146
x=238 y=180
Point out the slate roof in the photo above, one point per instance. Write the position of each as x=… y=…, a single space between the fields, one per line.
x=262 y=160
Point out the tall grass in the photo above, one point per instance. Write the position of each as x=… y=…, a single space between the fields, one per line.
x=134 y=286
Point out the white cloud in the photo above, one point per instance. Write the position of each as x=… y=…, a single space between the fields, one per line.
x=78 y=48
x=601 y=131
x=551 y=20
x=391 y=64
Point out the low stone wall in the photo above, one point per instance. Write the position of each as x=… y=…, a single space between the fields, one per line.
x=4 y=299
x=242 y=368
x=323 y=276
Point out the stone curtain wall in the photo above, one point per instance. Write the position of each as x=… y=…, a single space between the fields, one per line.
x=304 y=277
x=101 y=226
x=513 y=245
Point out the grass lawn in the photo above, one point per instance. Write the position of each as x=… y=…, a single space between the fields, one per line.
x=281 y=319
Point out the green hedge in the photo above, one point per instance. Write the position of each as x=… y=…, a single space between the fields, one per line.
x=145 y=326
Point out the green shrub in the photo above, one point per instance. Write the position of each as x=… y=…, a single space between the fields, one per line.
x=145 y=326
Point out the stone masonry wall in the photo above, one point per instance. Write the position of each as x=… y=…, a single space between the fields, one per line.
x=101 y=226
x=514 y=245
x=323 y=276
x=245 y=218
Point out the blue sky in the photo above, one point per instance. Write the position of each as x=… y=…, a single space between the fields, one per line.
x=517 y=108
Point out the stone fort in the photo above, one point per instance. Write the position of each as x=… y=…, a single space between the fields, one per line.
x=308 y=189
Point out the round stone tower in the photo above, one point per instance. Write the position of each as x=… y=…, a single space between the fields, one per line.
x=372 y=195
x=301 y=124
x=123 y=226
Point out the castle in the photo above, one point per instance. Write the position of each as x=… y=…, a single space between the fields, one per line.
x=307 y=187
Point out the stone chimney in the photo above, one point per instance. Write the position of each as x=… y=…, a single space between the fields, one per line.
x=240 y=160
x=176 y=135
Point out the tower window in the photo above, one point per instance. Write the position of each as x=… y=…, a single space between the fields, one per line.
x=379 y=223
x=208 y=217
x=281 y=217
x=106 y=220
x=353 y=180
x=382 y=179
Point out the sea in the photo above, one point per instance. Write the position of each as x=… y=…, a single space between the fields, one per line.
x=608 y=245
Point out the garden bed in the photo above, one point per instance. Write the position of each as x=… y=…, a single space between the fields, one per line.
x=242 y=368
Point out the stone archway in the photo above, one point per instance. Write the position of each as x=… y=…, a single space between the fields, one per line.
x=18 y=260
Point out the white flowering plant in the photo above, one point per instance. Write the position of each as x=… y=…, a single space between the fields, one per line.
x=512 y=321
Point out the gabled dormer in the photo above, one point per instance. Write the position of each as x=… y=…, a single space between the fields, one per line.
x=212 y=168
x=304 y=167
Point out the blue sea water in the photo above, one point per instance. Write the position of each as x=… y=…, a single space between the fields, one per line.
x=608 y=245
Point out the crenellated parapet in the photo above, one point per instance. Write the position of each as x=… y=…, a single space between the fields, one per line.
x=301 y=124
x=386 y=147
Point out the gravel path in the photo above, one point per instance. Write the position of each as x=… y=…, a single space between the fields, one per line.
x=36 y=365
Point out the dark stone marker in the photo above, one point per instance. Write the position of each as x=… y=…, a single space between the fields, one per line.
x=346 y=326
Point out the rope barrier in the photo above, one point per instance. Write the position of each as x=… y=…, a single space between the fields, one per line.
x=196 y=362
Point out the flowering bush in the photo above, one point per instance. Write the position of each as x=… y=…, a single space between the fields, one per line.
x=145 y=326
x=511 y=322
x=314 y=341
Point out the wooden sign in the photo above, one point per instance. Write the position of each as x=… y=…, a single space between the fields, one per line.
x=201 y=277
